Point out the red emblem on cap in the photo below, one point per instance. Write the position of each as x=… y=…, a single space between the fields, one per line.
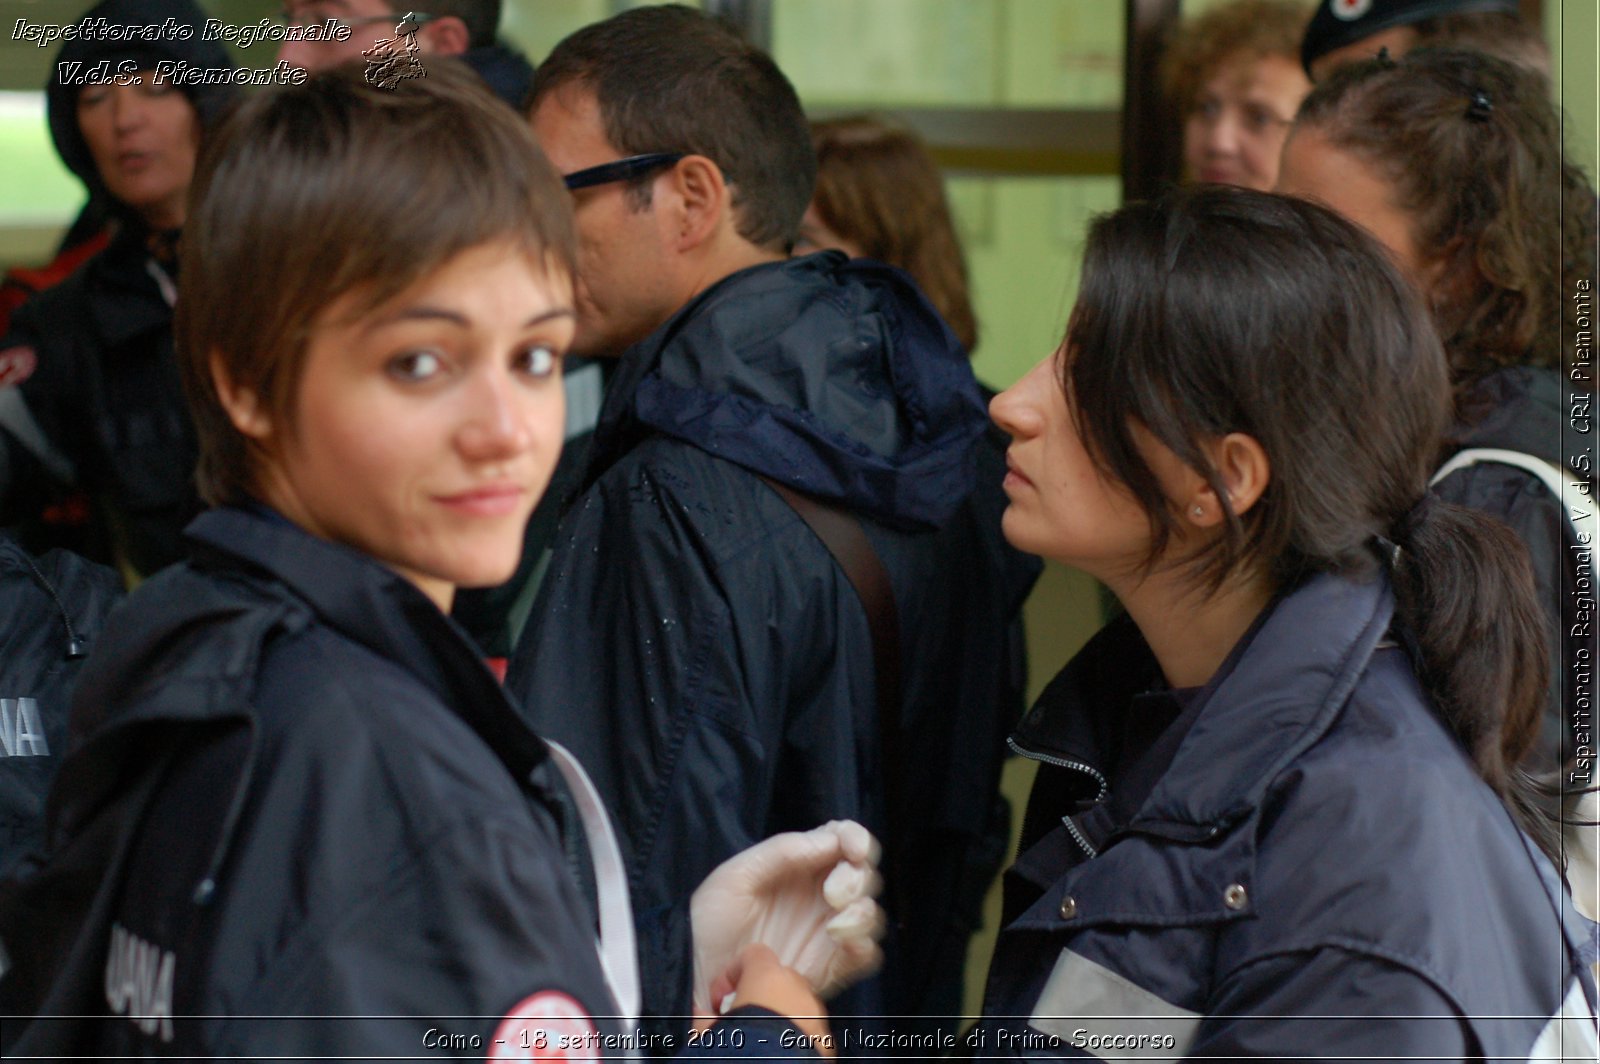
x=1349 y=10
x=547 y=1026
x=17 y=365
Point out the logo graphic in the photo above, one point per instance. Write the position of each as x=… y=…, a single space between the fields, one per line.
x=388 y=64
x=547 y=1026
x=21 y=730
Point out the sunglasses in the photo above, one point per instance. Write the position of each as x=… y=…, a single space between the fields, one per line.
x=621 y=170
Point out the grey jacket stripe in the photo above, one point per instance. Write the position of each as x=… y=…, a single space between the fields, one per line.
x=1570 y=1034
x=1084 y=1002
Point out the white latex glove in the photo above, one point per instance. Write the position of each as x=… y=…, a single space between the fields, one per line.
x=808 y=896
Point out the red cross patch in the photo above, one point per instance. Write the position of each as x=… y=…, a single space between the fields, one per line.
x=546 y=1026
x=1349 y=10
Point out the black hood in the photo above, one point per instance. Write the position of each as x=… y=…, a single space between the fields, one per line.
x=92 y=47
x=836 y=377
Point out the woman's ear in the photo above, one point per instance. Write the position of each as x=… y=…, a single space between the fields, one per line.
x=243 y=405
x=1242 y=466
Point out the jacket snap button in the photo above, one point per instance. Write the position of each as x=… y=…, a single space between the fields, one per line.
x=1069 y=907
x=1234 y=897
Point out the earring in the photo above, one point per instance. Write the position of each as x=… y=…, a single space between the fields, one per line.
x=1199 y=511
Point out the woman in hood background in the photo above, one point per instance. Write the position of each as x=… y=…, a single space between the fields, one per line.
x=89 y=396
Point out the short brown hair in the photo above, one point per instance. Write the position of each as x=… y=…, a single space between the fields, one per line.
x=313 y=191
x=1253 y=29
x=481 y=17
x=878 y=188
x=670 y=79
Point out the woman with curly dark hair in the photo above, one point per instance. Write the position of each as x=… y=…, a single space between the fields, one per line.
x=1453 y=159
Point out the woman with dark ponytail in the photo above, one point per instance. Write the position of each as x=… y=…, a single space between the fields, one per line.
x=1276 y=812
x=1454 y=161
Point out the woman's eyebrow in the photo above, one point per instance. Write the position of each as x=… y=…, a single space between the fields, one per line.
x=427 y=313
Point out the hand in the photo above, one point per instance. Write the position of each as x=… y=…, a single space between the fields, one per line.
x=807 y=896
x=757 y=978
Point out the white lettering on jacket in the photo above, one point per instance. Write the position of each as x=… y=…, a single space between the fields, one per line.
x=21 y=730
x=139 y=981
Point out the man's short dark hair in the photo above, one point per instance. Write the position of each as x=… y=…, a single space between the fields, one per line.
x=670 y=79
x=482 y=17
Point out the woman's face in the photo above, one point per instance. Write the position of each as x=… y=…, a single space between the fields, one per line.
x=143 y=136
x=1315 y=169
x=425 y=430
x=1234 y=133
x=1061 y=505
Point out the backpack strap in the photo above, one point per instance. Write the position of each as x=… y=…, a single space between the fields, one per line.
x=1581 y=835
x=841 y=532
x=1561 y=481
x=619 y=957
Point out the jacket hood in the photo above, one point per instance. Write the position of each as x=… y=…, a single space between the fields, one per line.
x=504 y=69
x=94 y=45
x=835 y=377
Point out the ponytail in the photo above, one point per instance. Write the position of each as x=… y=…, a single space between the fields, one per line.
x=1464 y=590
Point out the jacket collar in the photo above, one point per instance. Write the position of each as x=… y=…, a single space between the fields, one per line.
x=377 y=608
x=835 y=377
x=1281 y=695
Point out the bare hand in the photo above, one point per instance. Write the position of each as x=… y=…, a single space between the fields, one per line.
x=757 y=978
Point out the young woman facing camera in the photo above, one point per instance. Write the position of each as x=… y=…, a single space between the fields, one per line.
x=301 y=817
x=1274 y=813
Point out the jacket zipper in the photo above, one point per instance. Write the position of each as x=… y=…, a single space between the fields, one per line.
x=1076 y=766
x=76 y=648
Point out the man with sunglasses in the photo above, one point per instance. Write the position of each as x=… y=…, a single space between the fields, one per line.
x=461 y=28
x=694 y=640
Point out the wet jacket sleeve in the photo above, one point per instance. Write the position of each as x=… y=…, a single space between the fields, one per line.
x=686 y=648
x=1336 y=1004
x=473 y=935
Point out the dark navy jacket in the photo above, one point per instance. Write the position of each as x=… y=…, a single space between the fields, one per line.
x=1528 y=410
x=106 y=403
x=1317 y=872
x=296 y=793
x=698 y=648
x=51 y=611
